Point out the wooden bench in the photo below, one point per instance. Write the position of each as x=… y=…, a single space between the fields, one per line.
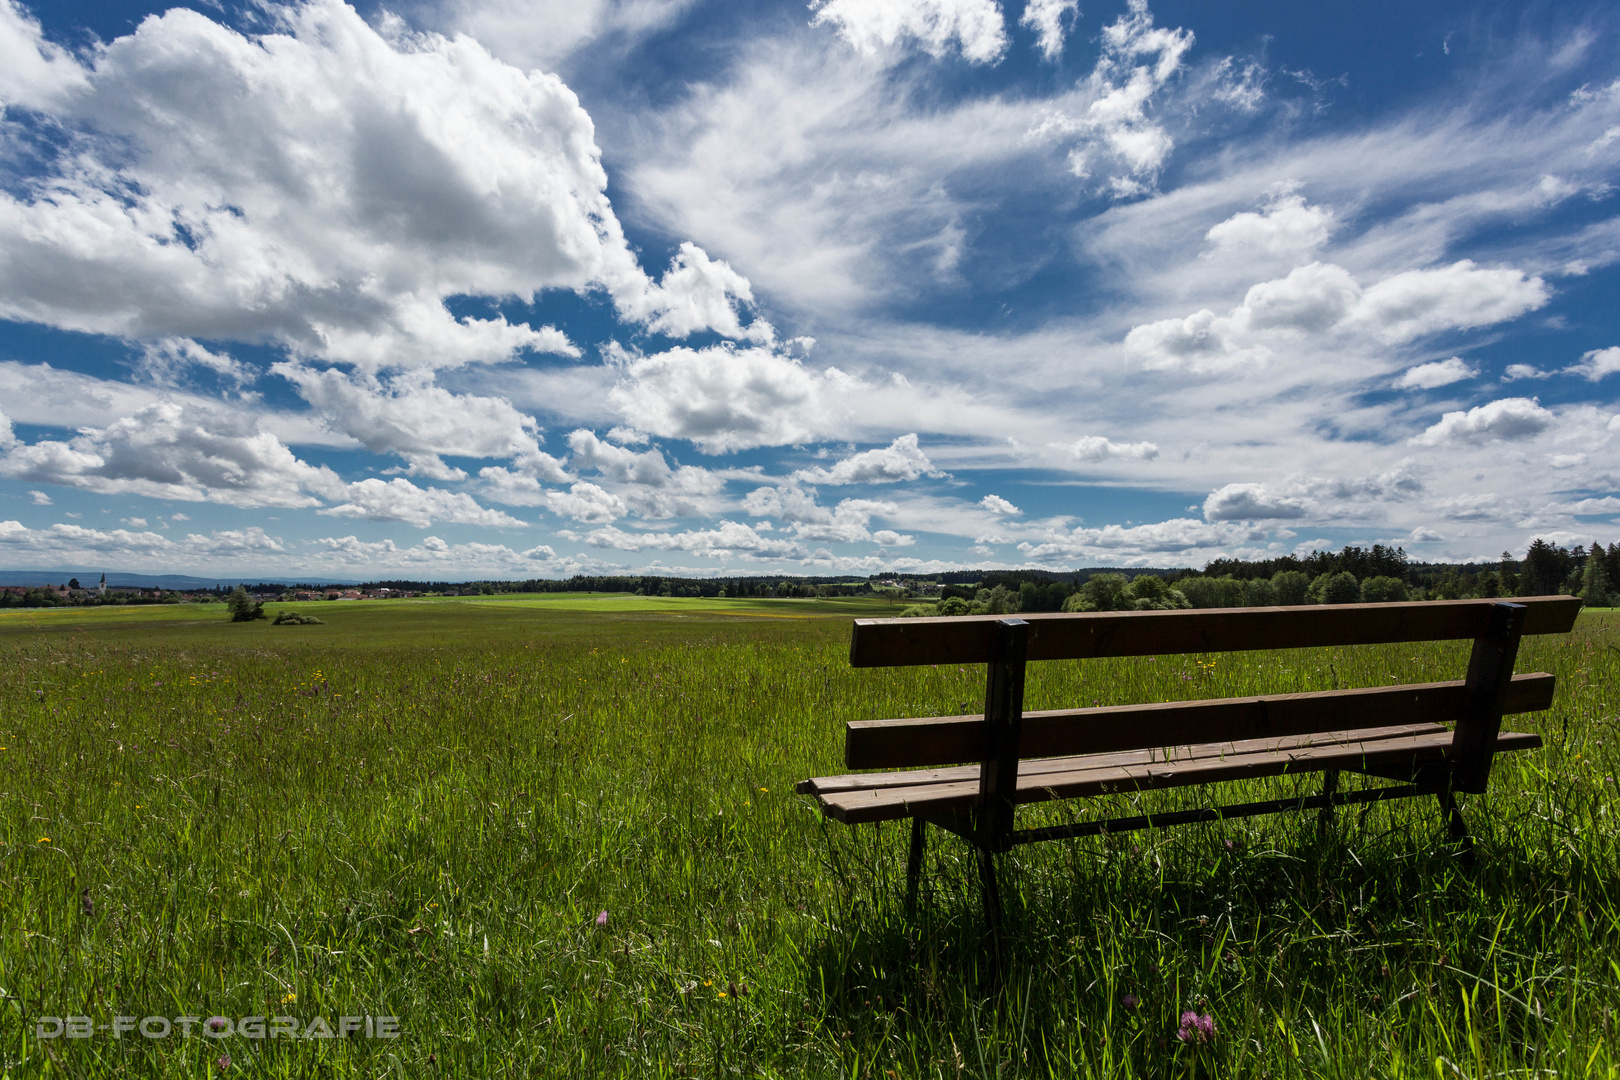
x=967 y=774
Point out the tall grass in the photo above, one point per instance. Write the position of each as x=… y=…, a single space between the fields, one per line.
x=423 y=811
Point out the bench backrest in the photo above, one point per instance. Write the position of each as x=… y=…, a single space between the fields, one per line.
x=1003 y=733
x=1093 y=635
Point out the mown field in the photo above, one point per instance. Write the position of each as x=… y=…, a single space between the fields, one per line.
x=423 y=809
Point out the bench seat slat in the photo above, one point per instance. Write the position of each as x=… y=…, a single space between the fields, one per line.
x=1058 y=636
x=1086 y=776
x=825 y=785
x=949 y=740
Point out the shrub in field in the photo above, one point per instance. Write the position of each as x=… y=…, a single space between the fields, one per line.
x=293 y=618
x=997 y=601
x=1048 y=597
x=1152 y=593
x=1259 y=592
x=242 y=607
x=1595 y=583
x=1103 y=592
x=1384 y=590
x=1292 y=586
x=1340 y=588
x=1212 y=592
x=1114 y=592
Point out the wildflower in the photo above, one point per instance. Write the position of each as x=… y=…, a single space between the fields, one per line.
x=223 y=1062
x=219 y=1023
x=44 y=840
x=601 y=920
x=1130 y=1001
x=288 y=998
x=1196 y=1029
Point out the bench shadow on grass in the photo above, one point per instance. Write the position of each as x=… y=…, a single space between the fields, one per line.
x=1269 y=925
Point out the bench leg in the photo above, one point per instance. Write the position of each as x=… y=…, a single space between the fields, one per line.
x=1330 y=786
x=992 y=903
x=914 y=861
x=1456 y=825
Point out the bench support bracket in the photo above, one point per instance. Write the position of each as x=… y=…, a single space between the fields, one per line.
x=1216 y=813
x=1490 y=671
x=998 y=776
x=914 y=863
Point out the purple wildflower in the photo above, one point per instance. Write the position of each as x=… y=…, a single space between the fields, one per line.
x=223 y=1062
x=601 y=920
x=217 y=1023
x=1196 y=1029
x=1130 y=1001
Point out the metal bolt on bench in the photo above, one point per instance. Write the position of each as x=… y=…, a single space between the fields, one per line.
x=967 y=774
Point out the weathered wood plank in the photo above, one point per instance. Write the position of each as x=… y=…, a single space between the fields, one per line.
x=824 y=785
x=966 y=639
x=949 y=740
x=891 y=803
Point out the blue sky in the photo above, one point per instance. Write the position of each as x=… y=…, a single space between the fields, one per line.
x=491 y=288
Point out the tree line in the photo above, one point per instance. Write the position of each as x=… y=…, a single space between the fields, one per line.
x=1352 y=575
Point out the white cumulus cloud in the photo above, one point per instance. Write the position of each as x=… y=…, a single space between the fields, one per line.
x=1099 y=448
x=997 y=505
x=1119 y=140
x=1250 y=502
x=1048 y=18
x=168 y=451
x=901 y=460
x=975 y=27
x=1435 y=374
x=728 y=539
x=400 y=500
x=1506 y=418
x=726 y=399
x=1597 y=363
x=1458 y=296
x=34 y=73
x=327 y=185
x=586 y=502
x=1320 y=298
x=1178 y=536
x=1288 y=227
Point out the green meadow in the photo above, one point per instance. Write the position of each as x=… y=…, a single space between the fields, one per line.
x=557 y=836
